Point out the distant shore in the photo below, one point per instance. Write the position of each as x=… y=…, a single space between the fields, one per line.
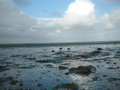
x=56 y=43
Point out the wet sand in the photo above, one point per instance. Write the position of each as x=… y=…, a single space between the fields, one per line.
x=45 y=67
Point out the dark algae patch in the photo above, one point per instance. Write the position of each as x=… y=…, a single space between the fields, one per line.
x=24 y=89
x=3 y=68
x=86 y=70
x=68 y=86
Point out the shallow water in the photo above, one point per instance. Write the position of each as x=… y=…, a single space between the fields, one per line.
x=20 y=64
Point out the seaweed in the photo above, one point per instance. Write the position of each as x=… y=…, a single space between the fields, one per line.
x=68 y=86
x=23 y=89
x=85 y=70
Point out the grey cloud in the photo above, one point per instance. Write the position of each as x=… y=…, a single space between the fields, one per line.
x=16 y=27
x=22 y=2
x=112 y=0
x=56 y=13
x=45 y=11
x=13 y=23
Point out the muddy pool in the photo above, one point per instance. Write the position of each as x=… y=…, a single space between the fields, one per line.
x=45 y=67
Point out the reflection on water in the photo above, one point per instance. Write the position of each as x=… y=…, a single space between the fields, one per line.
x=21 y=64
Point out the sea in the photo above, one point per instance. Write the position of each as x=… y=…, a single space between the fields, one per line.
x=47 y=66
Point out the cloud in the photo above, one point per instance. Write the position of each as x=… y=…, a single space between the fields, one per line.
x=79 y=23
x=13 y=23
x=112 y=0
x=79 y=14
x=111 y=21
x=22 y=2
x=56 y=13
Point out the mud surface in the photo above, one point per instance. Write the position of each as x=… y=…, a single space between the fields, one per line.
x=45 y=67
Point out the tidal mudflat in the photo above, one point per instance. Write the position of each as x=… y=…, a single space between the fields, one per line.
x=60 y=67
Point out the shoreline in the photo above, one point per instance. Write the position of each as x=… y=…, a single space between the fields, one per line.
x=57 y=43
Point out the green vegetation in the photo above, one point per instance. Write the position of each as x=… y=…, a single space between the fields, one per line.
x=69 y=86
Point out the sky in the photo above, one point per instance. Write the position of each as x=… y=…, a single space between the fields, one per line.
x=47 y=21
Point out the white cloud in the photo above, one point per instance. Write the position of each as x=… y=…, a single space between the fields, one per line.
x=112 y=20
x=80 y=13
x=77 y=24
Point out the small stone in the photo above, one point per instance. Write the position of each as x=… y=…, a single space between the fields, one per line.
x=40 y=78
x=21 y=84
x=63 y=67
x=67 y=73
x=13 y=82
x=104 y=75
x=99 y=48
x=40 y=85
x=53 y=51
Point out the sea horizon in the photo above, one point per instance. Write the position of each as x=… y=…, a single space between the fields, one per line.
x=56 y=43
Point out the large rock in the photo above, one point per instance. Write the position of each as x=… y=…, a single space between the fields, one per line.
x=86 y=70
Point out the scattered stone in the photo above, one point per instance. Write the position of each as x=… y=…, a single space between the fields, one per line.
x=13 y=82
x=44 y=61
x=95 y=78
x=68 y=86
x=99 y=49
x=68 y=48
x=21 y=84
x=40 y=78
x=40 y=85
x=63 y=67
x=65 y=64
x=98 y=66
x=67 y=73
x=105 y=75
x=112 y=68
x=86 y=70
x=113 y=79
x=43 y=89
x=84 y=56
x=24 y=89
x=60 y=48
x=68 y=55
x=53 y=51
x=57 y=79
x=49 y=66
x=60 y=52
x=95 y=52
x=115 y=63
x=3 y=68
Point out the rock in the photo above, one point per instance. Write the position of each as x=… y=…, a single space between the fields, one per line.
x=63 y=67
x=66 y=86
x=40 y=85
x=13 y=82
x=53 y=51
x=43 y=89
x=81 y=70
x=21 y=84
x=84 y=56
x=68 y=48
x=44 y=61
x=99 y=49
x=67 y=73
x=49 y=66
x=95 y=52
